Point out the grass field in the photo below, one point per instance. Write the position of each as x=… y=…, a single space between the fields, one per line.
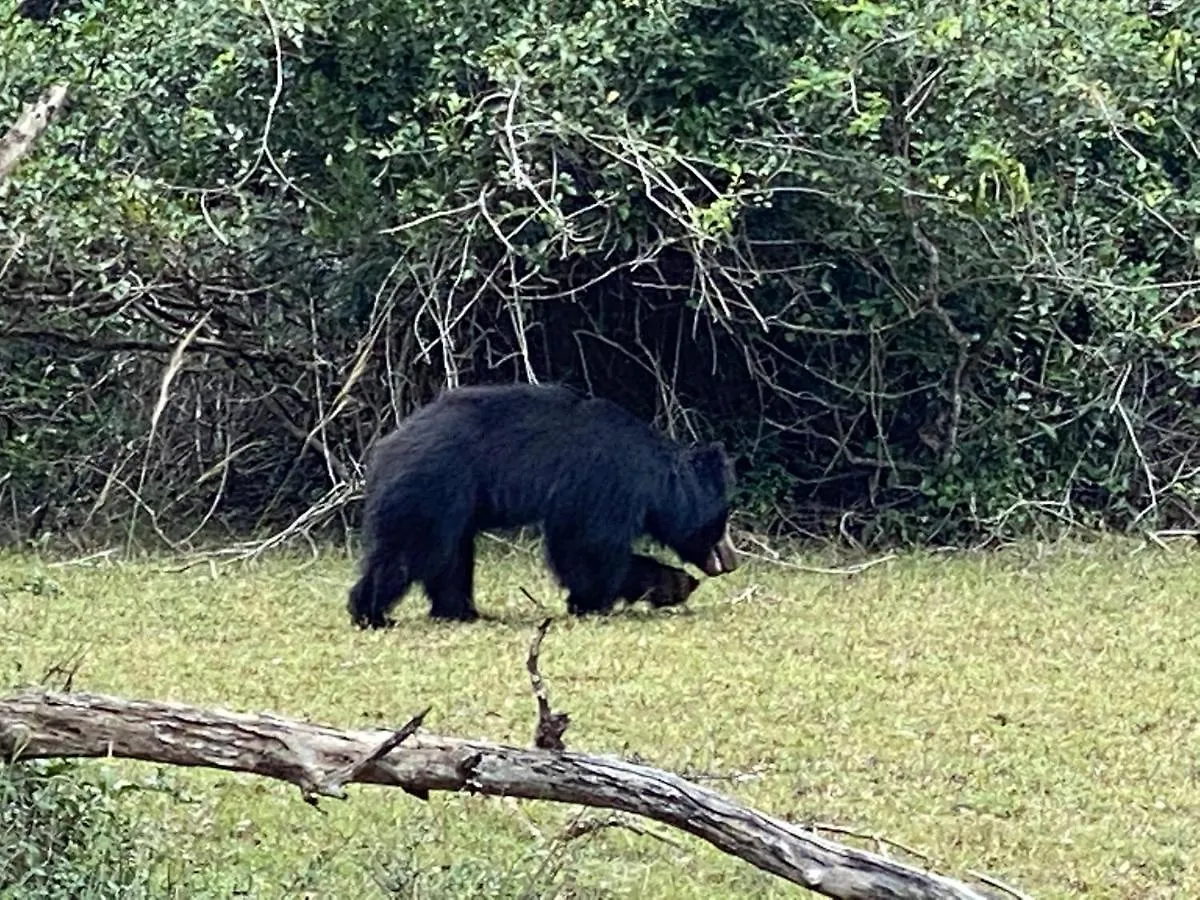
x=1034 y=714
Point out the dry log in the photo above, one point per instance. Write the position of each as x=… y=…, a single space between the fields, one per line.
x=43 y=724
x=34 y=120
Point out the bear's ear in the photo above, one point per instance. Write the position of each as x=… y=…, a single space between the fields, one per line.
x=713 y=466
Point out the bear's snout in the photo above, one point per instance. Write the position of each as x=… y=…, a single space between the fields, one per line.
x=722 y=559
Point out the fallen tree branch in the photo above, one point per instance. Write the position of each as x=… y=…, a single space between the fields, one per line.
x=19 y=139
x=44 y=724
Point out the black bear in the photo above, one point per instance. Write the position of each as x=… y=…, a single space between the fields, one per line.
x=592 y=474
x=655 y=582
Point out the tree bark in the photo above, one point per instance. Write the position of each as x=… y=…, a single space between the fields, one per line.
x=34 y=120
x=319 y=759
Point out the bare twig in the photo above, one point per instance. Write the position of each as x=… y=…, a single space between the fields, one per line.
x=547 y=734
x=334 y=783
x=67 y=669
x=174 y=365
x=877 y=839
x=992 y=881
x=581 y=827
x=775 y=560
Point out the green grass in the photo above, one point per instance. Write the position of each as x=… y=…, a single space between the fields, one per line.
x=1035 y=715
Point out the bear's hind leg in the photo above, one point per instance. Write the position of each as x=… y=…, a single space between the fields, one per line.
x=384 y=581
x=451 y=588
x=358 y=603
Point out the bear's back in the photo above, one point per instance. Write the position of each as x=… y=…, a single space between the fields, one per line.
x=534 y=409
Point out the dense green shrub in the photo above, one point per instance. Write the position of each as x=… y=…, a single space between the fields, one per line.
x=61 y=837
x=930 y=268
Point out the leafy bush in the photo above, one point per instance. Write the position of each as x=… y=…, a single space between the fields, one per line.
x=929 y=268
x=60 y=837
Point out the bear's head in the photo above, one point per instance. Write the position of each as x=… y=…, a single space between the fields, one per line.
x=698 y=527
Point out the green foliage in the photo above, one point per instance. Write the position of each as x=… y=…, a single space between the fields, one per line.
x=61 y=836
x=930 y=265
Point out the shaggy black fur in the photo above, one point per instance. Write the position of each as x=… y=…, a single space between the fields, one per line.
x=593 y=475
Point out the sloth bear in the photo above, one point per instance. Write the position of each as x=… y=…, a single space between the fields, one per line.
x=594 y=477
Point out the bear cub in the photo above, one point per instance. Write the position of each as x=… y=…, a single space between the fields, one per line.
x=656 y=583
